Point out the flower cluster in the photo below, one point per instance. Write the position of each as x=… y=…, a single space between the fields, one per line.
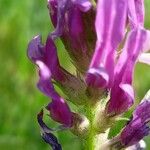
x=104 y=39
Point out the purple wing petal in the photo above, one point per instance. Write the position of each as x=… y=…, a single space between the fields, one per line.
x=75 y=26
x=138 y=127
x=51 y=60
x=83 y=5
x=35 y=49
x=136 y=13
x=59 y=110
x=124 y=72
x=110 y=26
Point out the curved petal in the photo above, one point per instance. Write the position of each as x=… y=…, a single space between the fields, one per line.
x=119 y=100
x=83 y=5
x=59 y=110
x=46 y=133
x=136 y=13
x=35 y=49
x=110 y=27
x=137 y=128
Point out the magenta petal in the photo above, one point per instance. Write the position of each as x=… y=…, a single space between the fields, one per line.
x=110 y=28
x=97 y=77
x=136 y=13
x=122 y=97
x=138 y=127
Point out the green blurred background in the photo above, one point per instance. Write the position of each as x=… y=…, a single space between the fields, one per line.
x=20 y=100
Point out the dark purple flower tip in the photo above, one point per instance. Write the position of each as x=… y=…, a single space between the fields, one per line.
x=51 y=140
x=97 y=78
x=138 y=126
x=60 y=112
x=35 y=49
x=46 y=133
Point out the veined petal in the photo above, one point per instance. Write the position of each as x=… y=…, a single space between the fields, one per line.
x=136 y=13
x=124 y=71
x=110 y=28
x=138 y=126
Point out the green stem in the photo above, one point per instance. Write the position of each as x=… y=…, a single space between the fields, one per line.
x=94 y=141
x=89 y=141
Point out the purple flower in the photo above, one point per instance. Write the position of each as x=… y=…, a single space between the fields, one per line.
x=38 y=54
x=46 y=133
x=136 y=12
x=74 y=24
x=138 y=126
x=110 y=29
x=122 y=93
x=104 y=55
x=111 y=24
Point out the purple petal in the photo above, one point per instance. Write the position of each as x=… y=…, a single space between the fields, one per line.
x=97 y=77
x=121 y=99
x=59 y=110
x=51 y=140
x=124 y=71
x=138 y=127
x=136 y=13
x=110 y=26
x=35 y=49
x=51 y=60
x=75 y=28
x=47 y=135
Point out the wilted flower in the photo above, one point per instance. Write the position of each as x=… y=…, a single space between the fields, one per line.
x=104 y=39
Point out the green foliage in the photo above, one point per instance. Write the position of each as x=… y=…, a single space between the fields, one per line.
x=20 y=20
